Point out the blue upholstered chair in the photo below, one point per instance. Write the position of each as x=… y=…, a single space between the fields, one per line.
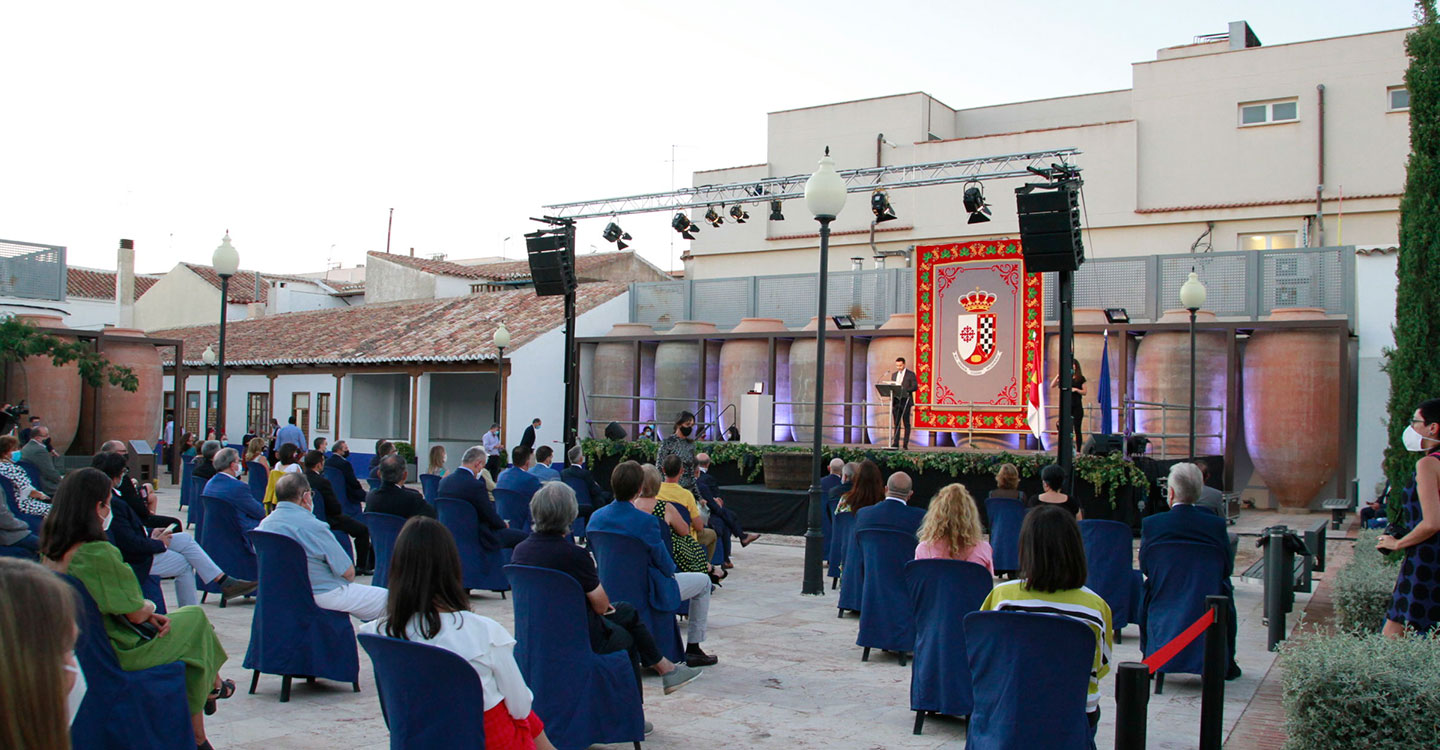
x=150 y=589
x=337 y=481
x=1005 y=514
x=584 y=698
x=1109 y=552
x=852 y=570
x=258 y=479
x=121 y=709
x=514 y=507
x=942 y=592
x=373 y=484
x=1031 y=673
x=842 y=532
x=318 y=508
x=290 y=635
x=479 y=569
x=195 y=511
x=624 y=563
x=584 y=501
x=428 y=695
x=223 y=539
x=34 y=522
x=384 y=529
x=1182 y=574
x=32 y=471
x=430 y=486
x=886 y=620
x=187 y=469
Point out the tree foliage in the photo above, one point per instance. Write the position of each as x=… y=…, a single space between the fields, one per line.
x=20 y=340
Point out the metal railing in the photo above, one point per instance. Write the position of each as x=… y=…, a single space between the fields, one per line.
x=707 y=422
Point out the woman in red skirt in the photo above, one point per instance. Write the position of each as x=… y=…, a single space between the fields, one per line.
x=429 y=605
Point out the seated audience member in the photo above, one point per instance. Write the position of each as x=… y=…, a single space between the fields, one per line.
x=255 y=452
x=542 y=469
x=159 y=551
x=1210 y=498
x=692 y=543
x=722 y=519
x=383 y=448
x=15 y=533
x=288 y=459
x=339 y=460
x=391 y=496
x=321 y=444
x=427 y=604
x=465 y=484
x=631 y=515
x=894 y=512
x=1185 y=522
x=951 y=529
x=140 y=498
x=518 y=478
x=27 y=498
x=226 y=487
x=868 y=489
x=1052 y=582
x=37 y=454
x=577 y=471
x=37 y=658
x=1007 y=484
x=1053 y=479
x=437 y=461
x=847 y=481
x=205 y=462
x=73 y=541
x=332 y=575
x=613 y=626
x=832 y=478
x=314 y=463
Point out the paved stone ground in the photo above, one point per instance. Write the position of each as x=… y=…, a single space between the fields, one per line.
x=789 y=677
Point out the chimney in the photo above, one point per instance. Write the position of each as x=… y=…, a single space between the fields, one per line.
x=125 y=284
x=1242 y=36
x=412 y=252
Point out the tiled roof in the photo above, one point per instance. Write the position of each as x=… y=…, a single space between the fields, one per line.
x=242 y=284
x=509 y=270
x=455 y=329
x=89 y=283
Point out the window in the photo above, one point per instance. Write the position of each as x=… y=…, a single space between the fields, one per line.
x=192 y=412
x=300 y=410
x=257 y=414
x=1268 y=241
x=322 y=412
x=1398 y=98
x=1264 y=113
x=212 y=411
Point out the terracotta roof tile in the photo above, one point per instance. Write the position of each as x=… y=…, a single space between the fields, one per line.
x=510 y=270
x=455 y=329
x=89 y=283
x=242 y=284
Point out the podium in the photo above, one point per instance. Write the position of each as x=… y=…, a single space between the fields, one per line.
x=888 y=393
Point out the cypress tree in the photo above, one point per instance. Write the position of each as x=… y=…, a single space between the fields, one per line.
x=1413 y=364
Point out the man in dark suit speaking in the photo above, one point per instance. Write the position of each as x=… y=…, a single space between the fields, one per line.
x=900 y=405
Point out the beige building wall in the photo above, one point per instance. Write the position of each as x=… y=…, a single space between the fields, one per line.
x=391 y=282
x=180 y=298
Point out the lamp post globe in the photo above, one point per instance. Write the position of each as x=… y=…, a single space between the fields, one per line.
x=1192 y=296
x=208 y=356
x=225 y=259
x=501 y=337
x=501 y=340
x=226 y=262
x=825 y=190
x=1192 y=292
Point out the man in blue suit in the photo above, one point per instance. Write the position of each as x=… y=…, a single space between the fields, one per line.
x=722 y=520
x=542 y=468
x=832 y=480
x=518 y=478
x=465 y=484
x=226 y=486
x=1187 y=522
x=894 y=512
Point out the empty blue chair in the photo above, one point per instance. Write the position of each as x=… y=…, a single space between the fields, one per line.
x=842 y=530
x=32 y=471
x=1005 y=514
x=942 y=592
x=886 y=620
x=430 y=486
x=318 y=508
x=1109 y=551
x=1030 y=673
x=479 y=569
x=584 y=698
x=585 y=503
x=852 y=572
x=34 y=522
x=258 y=479
x=624 y=563
x=123 y=710
x=223 y=539
x=429 y=696
x=384 y=528
x=514 y=507
x=337 y=481
x=195 y=512
x=1181 y=575
x=290 y=635
x=187 y=469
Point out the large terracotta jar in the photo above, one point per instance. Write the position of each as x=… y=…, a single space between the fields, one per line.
x=124 y=415
x=52 y=393
x=678 y=377
x=894 y=338
x=613 y=374
x=1292 y=407
x=1162 y=375
x=743 y=363
x=1088 y=347
x=802 y=385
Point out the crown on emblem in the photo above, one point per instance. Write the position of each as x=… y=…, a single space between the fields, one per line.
x=977 y=301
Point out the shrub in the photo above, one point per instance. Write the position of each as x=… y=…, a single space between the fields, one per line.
x=1367 y=692
x=406 y=451
x=1362 y=589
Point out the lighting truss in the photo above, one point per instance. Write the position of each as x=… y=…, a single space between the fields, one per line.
x=1006 y=166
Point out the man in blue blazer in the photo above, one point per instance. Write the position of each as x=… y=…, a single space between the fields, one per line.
x=832 y=480
x=518 y=478
x=542 y=469
x=464 y=484
x=722 y=520
x=1187 y=522
x=894 y=512
x=226 y=486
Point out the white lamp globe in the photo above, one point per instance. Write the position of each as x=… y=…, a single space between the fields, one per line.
x=825 y=190
x=208 y=355
x=226 y=259
x=1192 y=292
x=502 y=337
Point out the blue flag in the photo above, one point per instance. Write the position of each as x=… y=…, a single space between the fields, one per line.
x=1105 y=405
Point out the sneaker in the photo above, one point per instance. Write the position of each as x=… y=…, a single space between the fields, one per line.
x=696 y=658
x=233 y=587
x=649 y=728
x=680 y=676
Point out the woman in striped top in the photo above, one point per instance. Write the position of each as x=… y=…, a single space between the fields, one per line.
x=1052 y=582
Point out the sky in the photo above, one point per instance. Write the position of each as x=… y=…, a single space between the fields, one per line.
x=297 y=126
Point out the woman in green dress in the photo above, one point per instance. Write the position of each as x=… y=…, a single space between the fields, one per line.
x=73 y=541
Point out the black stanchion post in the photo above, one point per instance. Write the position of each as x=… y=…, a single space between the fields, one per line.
x=1276 y=568
x=1132 y=699
x=1212 y=677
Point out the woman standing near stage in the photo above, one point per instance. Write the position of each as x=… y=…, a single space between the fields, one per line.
x=681 y=443
x=1077 y=405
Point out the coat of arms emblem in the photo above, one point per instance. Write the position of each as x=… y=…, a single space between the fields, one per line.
x=975 y=335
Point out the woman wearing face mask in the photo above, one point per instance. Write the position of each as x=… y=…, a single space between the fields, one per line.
x=73 y=541
x=682 y=444
x=1415 y=605
x=43 y=683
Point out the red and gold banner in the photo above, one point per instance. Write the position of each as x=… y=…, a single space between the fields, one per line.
x=978 y=338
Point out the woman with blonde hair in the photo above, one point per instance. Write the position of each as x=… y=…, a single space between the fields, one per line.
x=255 y=451
x=951 y=529
x=437 y=460
x=37 y=658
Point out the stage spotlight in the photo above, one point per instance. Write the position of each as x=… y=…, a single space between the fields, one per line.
x=1116 y=315
x=775 y=214
x=880 y=206
x=714 y=218
x=975 y=204
x=682 y=224
x=613 y=233
x=739 y=214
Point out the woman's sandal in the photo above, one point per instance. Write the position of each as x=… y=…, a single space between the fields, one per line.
x=226 y=689
x=716 y=579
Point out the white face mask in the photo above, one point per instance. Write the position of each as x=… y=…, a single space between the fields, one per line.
x=105 y=525
x=77 y=691
x=1413 y=440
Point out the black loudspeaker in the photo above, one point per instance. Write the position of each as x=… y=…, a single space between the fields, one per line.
x=552 y=263
x=614 y=431
x=1104 y=444
x=1050 y=229
x=1137 y=445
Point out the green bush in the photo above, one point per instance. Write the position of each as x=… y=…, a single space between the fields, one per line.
x=406 y=451
x=1369 y=692
x=1362 y=589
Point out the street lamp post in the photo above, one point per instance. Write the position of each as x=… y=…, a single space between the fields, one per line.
x=209 y=357
x=824 y=196
x=1192 y=296
x=502 y=340
x=226 y=262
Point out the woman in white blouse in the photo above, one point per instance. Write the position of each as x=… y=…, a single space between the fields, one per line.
x=428 y=604
x=29 y=499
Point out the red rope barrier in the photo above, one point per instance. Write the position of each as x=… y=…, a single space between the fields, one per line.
x=1158 y=659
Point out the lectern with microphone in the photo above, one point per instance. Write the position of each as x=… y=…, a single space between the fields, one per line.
x=890 y=391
